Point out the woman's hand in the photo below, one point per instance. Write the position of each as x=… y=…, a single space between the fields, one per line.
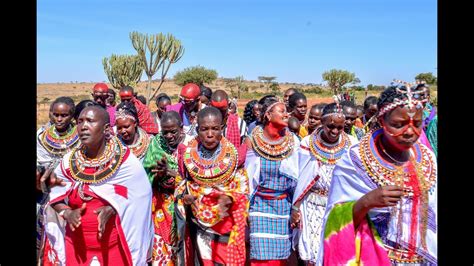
x=383 y=197
x=188 y=199
x=386 y=196
x=73 y=217
x=104 y=213
x=223 y=206
x=295 y=218
x=160 y=168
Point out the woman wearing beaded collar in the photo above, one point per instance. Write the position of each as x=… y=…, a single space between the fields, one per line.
x=383 y=191
x=51 y=145
x=106 y=201
x=211 y=197
x=318 y=154
x=272 y=167
x=128 y=131
x=161 y=165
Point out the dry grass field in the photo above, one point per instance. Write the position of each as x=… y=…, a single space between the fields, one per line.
x=47 y=92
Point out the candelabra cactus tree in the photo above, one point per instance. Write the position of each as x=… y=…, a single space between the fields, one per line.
x=156 y=51
x=123 y=70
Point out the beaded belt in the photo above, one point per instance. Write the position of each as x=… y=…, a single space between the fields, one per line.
x=270 y=194
x=319 y=191
x=401 y=256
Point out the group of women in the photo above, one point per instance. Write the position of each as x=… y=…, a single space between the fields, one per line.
x=122 y=197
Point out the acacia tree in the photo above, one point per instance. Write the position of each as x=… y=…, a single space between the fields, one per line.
x=238 y=83
x=336 y=79
x=267 y=79
x=123 y=70
x=156 y=51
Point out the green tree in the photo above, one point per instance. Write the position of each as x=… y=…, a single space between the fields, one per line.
x=239 y=84
x=429 y=78
x=267 y=80
x=197 y=74
x=123 y=70
x=336 y=79
x=156 y=51
x=275 y=87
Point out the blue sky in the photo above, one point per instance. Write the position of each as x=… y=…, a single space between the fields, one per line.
x=296 y=41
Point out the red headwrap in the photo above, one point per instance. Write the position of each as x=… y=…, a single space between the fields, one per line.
x=190 y=91
x=101 y=87
x=125 y=94
x=222 y=103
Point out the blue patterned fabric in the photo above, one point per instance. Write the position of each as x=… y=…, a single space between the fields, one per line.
x=277 y=245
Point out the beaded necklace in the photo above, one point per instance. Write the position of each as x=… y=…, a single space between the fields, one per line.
x=140 y=147
x=59 y=145
x=328 y=153
x=211 y=172
x=272 y=150
x=104 y=166
x=384 y=173
x=417 y=177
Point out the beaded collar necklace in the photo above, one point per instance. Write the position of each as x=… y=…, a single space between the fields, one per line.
x=272 y=150
x=140 y=146
x=102 y=168
x=328 y=153
x=385 y=173
x=211 y=172
x=59 y=145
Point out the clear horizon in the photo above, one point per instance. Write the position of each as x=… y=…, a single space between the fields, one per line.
x=296 y=42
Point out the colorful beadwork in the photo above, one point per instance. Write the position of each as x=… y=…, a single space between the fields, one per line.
x=384 y=173
x=272 y=150
x=59 y=145
x=140 y=147
x=325 y=153
x=211 y=172
x=105 y=166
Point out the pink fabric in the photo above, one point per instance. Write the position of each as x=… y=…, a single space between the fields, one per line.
x=359 y=247
x=111 y=110
x=423 y=139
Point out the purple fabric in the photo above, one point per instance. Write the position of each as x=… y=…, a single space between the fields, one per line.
x=177 y=107
x=111 y=110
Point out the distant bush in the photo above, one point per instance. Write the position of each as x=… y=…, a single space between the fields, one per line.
x=314 y=89
x=197 y=75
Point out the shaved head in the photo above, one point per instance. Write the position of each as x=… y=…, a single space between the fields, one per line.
x=208 y=112
x=99 y=112
x=220 y=99
x=171 y=116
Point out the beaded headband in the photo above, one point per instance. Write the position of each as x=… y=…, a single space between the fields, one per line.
x=338 y=112
x=272 y=105
x=121 y=113
x=414 y=98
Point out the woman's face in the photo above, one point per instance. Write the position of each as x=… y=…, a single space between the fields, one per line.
x=300 y=109
x=210 y=131
x=91 y=128
x=401 y=131
x=61 y=116
x=126 y=129
x=333 y=126
x=171 y=132
x=314 y=118
x=256 y=111
x=278 y=116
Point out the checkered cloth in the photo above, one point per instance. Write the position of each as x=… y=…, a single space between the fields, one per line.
x=145 y=119
x=277 y=244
